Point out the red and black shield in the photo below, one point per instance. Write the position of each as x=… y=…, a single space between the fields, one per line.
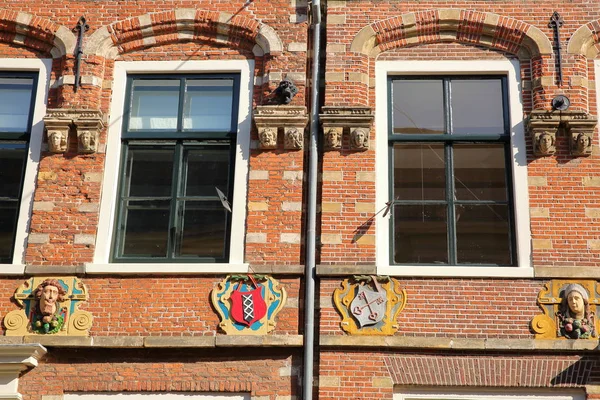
x=247 y=307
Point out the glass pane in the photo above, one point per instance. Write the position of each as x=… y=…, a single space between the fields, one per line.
x=154 y=104
x=146 y=228
x=15 y=104
x=482 y=234
x=150 y=171
x=418 y=106
x=204 y=229
x=208 y=104
x=480 y=172
x=420 y=234
x=206 y=168
x=419 y=172
x=8 y=222
x=477 y=106
x=12 y=163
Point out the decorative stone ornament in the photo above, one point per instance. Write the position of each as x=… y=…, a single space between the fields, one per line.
x=285 y=92
x=543 y=126
x=569 y=310
x=87 y=123
x=290 y=120
x=50 y=306
x=353 y=121
x=369 y=305
x=248 y=304
x=267 y=138
x=544 y=143
x=293 y=138
x=333 y=138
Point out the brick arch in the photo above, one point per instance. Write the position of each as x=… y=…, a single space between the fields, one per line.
x=464 y=26
x=40 y=34
x=586 y=40
x=183 y=25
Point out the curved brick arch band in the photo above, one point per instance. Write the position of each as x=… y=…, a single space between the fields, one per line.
x=36 y=33
x=586 y=40
x=182 y=25
x=465 y=26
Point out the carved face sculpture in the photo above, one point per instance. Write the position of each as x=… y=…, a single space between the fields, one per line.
x=49 y=293
x=576 y=304
x=55 y=141
x=85 y=140
x=359 y=138
x=293 y=139
x=546 y=143
x=334 y=138
x=582 y=143
x=268 y=138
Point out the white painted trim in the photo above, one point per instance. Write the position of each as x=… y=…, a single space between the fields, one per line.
x=510 y=68
x=12 y=269
x=596 y=72
x=165 y=268
x=485 y=394
x=156 y=396
x=43 y=67
x=113 y=148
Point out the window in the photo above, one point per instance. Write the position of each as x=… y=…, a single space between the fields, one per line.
x=482 y=394
x=178 y=152
x=450 y=171
x=452 y=162
x=17 y=99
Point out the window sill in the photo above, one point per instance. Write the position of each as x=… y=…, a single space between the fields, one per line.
x=12 y=269
x=456 y=272
x=164 y=269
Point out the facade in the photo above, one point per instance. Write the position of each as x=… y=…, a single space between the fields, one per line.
x=159 y=236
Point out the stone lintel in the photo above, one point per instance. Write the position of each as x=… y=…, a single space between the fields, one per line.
x=278 y=269
x=54 y=270
x=280 y=116
x=459 y=344
x=566 y=272
x=347 y=116
x=343 y=270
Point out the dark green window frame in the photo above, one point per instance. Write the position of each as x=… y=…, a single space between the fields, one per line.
x=447 y=141
x=179 y=143
x=14 y=149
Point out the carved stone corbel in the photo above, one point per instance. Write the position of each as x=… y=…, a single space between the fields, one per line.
x=579 y=126
x=290 y=120
x=580 y=129
x=88 y=126
x=87 y=123
x=353 y=121
x=543 y=126
x=57 y=131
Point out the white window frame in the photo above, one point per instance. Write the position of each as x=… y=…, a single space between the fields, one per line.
x=111 y=179
x=42 y=67
x=483 y=394
x=509 y=68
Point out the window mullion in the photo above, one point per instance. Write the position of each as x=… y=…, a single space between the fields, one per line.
x=175 y=208
x=120 y=225
x=450 y=196
x=181 y=105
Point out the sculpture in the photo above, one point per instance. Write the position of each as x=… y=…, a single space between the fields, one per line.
x=359 y=138
x=545 y=144
x=47 y=316
x=581 y=144
x=57 y=141
x=286 y=91
x=575 y=321
x=293 y=139
x=267 y=138
x=333 y=138
x=86 y=142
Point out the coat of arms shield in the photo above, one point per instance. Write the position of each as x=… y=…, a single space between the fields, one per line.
x=368 y=307
x=247 y=307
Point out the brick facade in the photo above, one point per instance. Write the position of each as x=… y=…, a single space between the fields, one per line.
x=159 y=332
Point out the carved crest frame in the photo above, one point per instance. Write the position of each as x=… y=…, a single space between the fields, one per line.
x=396 y=301
x=545 y=325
